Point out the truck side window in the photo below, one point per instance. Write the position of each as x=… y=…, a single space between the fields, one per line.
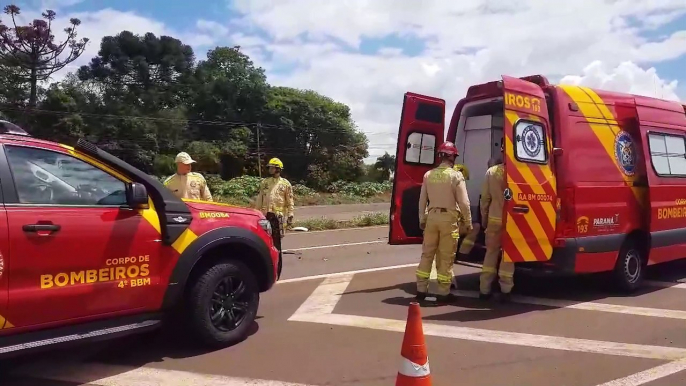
x=44 y=177
x=420 y=148
x=530 y=142
x=668 y=154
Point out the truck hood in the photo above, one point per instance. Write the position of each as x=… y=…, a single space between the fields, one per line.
x=206 y=206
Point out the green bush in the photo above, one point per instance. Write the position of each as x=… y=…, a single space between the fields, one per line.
x=302 y=190
x=242 y=190
x=363 y=189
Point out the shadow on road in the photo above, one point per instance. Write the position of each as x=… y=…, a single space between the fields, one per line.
x=570 y=290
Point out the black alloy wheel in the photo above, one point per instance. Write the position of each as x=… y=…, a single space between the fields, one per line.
x=229 y=304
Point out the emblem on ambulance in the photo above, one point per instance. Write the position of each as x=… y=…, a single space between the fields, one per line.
x=532 y=141
x=625 y=153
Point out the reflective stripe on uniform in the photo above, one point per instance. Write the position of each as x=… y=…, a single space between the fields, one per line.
x=444 y=279
x=505 y=274
x=494 y=219
x=455 y=234
x=488 y=269
x=411 y=369
x=467 y=242
x=423 y=275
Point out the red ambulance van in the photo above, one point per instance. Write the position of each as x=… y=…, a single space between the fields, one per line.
x=596 y=180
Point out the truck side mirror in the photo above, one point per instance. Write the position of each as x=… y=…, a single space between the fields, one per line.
x=137 y=196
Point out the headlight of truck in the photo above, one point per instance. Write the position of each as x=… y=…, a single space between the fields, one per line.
x=266 y=225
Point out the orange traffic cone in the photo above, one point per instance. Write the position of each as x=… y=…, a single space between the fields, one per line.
x=414 y=368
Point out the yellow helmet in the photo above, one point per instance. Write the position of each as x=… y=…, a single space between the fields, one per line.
x=275 y=162
x=462 y=169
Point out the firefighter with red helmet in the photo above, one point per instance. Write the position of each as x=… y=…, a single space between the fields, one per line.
x=443 y=202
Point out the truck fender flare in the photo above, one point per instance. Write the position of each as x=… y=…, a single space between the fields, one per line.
x=212 y=239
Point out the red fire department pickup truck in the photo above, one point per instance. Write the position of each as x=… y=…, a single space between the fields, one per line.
x=92 y=248
x=596 y=180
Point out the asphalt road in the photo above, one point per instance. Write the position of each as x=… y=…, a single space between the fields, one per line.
x=324 y=326
x=339 y=212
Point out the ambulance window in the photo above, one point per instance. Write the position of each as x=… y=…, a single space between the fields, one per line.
x=668 y=154
x=420 y=149
x=530 y=142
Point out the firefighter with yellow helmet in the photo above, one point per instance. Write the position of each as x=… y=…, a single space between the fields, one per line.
x=492 y=202
x=443 y=201
x=275 y=200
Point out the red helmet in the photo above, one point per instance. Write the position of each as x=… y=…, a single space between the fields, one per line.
x=447 y=148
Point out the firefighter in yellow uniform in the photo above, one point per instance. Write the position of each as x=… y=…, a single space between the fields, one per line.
x=467 y=244
x=492 y=202
x=185 y=183
x=275 y=200
x=442 y=202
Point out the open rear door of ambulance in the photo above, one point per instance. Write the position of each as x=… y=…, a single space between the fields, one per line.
x=421 y=132
x=529 y=215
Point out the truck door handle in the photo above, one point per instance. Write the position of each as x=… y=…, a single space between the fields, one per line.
x=41 y=228
x=520 y=209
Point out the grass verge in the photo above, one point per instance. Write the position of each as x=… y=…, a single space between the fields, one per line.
x=324 y=223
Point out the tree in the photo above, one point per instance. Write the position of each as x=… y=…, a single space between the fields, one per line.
x=385 y=164
x=314 y=135
x=30 y=52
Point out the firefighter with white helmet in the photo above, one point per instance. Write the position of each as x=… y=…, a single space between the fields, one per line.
x=275 y=200
x=443 y=203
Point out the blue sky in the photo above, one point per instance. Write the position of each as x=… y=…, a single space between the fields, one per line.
x=367 y=54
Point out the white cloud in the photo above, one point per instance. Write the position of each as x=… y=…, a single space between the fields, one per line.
x=627 y=78
x=465 y=43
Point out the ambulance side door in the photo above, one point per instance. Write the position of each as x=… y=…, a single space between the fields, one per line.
x=421 y=131
x=529 y=213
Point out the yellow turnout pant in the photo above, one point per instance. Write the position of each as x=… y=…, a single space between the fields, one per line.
x=470 y=239
x=440 y=242
x=490 y=267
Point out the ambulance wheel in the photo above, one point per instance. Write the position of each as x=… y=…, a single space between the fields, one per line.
x=223 y=304
x=630 y=267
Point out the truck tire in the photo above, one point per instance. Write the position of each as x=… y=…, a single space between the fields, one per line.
x=223 y=303
x=630 y=267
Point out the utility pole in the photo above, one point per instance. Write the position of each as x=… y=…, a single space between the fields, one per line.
x=259 y=154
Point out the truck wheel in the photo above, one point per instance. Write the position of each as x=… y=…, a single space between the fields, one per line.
x=223 y=304
x=630 y=267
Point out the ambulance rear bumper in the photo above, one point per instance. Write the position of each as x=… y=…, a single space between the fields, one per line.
x=565 y=260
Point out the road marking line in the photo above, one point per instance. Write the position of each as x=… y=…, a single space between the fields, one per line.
x=111 y=375
x=338 y=274
x=649 y=375
x=335 y=245
x=588 y=306
x=319 y=306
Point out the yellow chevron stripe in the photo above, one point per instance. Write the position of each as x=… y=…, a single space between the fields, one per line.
x=536 y=227
x=4 y=323
x=592 y=106
x=519 y=241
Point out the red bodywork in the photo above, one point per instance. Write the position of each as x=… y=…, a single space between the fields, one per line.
x=594 y=185
x=103 y=262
